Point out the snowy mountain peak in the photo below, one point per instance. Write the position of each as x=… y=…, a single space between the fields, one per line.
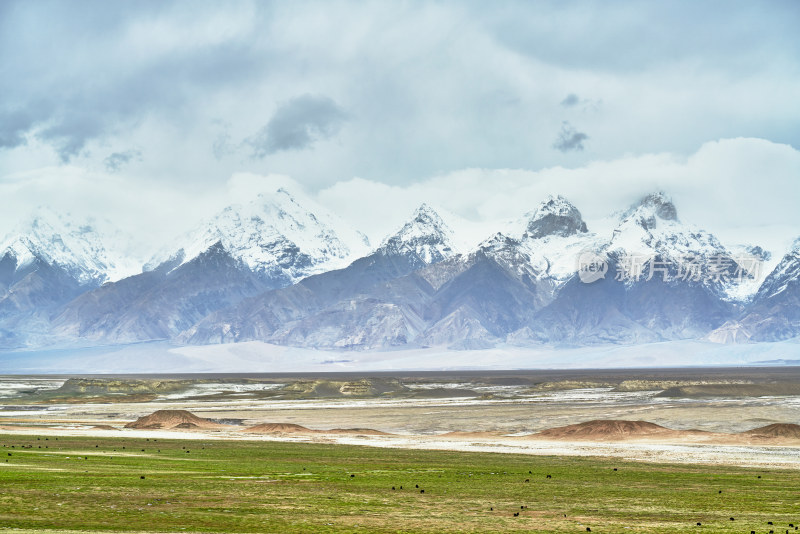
x=652 y=227
x=425 y=236
x=555 y=216
x=652 y=208
x=77 y=247
x=785 y=273
x=556 y=205
x=273 y=235
x=651 y=234
x=425 y=214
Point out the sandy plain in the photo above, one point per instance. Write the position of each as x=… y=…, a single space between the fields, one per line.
x=707 y=411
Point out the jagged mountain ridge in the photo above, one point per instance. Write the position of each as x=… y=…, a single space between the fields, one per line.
x=242 y=251
x=505 y=290
x=274 y=236
x=45 y=262
x=774 y=314
x=249 y=281
x=282 y=315
x=648 y=294
x=77 y=248
x=159 y=304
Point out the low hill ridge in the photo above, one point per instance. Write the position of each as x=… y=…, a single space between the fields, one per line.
x=168 y=419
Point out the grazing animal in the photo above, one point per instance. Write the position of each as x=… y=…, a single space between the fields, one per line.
x=392 y=488
x=352 y=476
x=615 y=469
x=588 y=529
x=732 y=519
x=720 y=491
x=527 y=480
x=699 y=524
x=548 y=476
x=491 y=508
x=769 y=522
x=516 y=514
x=422 y=491
x=142 y=477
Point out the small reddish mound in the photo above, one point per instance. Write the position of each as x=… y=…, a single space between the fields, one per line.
x=167 y=419
x=777 y=430
x=278 y=428
x=608 y=428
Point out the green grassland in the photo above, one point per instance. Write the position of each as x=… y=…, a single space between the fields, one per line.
x=82 y=484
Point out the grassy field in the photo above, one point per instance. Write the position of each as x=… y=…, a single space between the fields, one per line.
x=136 y=485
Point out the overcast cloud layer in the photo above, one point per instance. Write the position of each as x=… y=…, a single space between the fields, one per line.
x=127 y=110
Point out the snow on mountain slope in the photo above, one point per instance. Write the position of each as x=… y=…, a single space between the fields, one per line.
x=774 y=312
x=79 y=248
x=425 y=236
x=547 y=242
x=273 y=234
x=652 y=230
x=787 y=272
x=557 y=234
x=653 y=227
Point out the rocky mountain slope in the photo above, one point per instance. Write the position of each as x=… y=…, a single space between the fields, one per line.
x=45 y=262
x=281 y=270
x=274 y=236
x=774 y=313
x=243 y=251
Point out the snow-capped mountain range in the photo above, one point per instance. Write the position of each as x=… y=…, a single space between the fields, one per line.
x=78 y=247
x=272 y=235
x=281 y=269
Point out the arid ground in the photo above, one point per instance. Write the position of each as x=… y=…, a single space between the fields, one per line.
x=707 y=415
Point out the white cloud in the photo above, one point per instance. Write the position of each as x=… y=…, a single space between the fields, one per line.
x=726 y=186
x=744 y=190
x=428 y=88
x=456 y=104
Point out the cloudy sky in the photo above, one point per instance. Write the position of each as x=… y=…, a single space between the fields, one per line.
x=155 y=114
